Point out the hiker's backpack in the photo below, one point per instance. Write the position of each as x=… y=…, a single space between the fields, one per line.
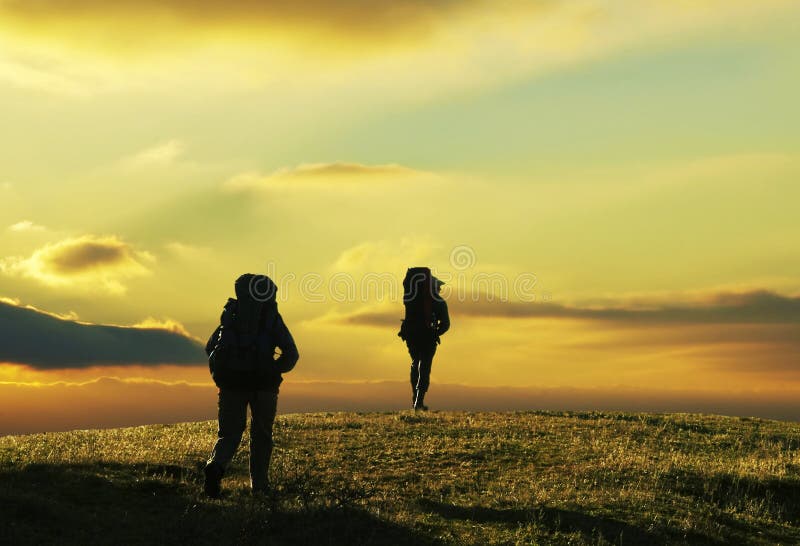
x=243 y=347
x=418 y=294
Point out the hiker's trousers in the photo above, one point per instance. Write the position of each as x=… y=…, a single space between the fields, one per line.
x=232 y=422
x=421 y=362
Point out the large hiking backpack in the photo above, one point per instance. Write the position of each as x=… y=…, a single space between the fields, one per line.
x=418 y=295
x=244 y=348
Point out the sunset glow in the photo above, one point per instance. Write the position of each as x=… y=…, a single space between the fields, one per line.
x=610 y=193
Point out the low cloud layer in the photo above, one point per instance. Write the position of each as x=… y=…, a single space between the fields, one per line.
x=114 y=402
x=749 y=338
x=756 y=307
x=82 y=261
x=43 y=341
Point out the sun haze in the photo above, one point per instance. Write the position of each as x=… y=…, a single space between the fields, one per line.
x=609 y=191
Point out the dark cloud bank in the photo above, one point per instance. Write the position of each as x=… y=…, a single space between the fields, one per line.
x=45 y=342
x=756 y=307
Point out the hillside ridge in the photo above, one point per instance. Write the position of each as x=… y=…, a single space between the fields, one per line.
x=405 y=478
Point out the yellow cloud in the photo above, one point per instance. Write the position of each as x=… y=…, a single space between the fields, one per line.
x=72 y=315
x=21 y=72
x=168 y=324
x=113 y=22
x=25 y=225
x=341 y=168
x=405 y=48
x=86 y=261
x=118 y=25
x=161 y=154
x=385 y=256
x=336 y=175
x=187 y=251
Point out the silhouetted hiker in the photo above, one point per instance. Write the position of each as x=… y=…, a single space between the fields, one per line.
x=426 y=320
x=244 y=367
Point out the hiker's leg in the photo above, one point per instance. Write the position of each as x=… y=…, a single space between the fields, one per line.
x=425 y=364
x=263 y=406
x=414 y=370
x=425 y=361
x=232 y=422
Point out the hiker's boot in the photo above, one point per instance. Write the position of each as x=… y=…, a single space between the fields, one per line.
x=261 y=491
x=213 y=477
x=419 y=401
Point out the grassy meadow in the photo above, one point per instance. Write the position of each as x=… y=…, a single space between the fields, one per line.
x=404 y=478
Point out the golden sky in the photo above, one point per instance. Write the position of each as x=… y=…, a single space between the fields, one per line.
x=609 y=189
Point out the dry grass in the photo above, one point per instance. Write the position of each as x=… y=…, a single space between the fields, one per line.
x=400 y=478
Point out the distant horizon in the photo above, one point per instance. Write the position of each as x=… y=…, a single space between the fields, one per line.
x=91 y=405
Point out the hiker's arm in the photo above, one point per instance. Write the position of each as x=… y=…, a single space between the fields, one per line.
x=212 y=340
x=224 y=319
x=285 y=342
x=444 y=318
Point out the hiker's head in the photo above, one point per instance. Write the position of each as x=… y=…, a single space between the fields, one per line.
x=255 y=287
x=437 y=285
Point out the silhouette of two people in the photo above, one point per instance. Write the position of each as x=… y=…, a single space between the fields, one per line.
x=252 y=348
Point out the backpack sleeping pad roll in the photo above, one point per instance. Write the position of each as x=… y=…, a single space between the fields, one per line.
x=418 y=294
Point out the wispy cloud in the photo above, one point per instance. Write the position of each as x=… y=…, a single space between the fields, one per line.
x=187 y=251
x=337 y=175
x=26 y=225
x=164 y=153
x=343 y=169
x=42 y=77
x=385 y=255
x=82 y=262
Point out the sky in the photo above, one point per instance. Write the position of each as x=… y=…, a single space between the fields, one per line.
x=609 y=190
